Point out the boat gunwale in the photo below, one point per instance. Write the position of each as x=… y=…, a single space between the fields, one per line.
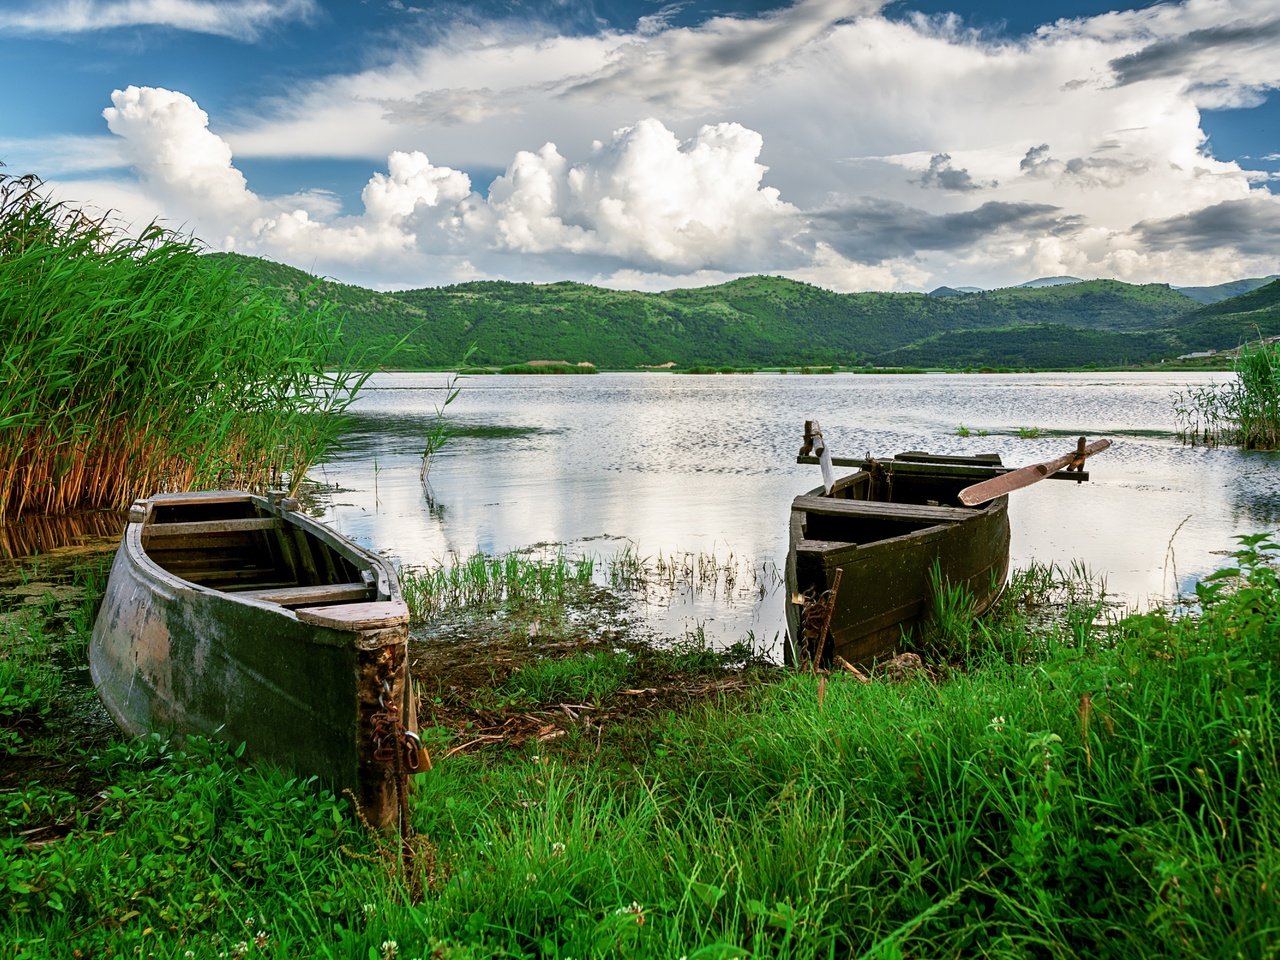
x=799 y=513
x=386 y=584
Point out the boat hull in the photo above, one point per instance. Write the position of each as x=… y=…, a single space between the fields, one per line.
x=885 y=553
x=302 y=687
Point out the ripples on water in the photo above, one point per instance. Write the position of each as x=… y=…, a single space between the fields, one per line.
x=672 y=463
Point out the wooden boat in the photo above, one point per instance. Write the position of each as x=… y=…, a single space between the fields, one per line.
x=879 y=533
x=236 y=616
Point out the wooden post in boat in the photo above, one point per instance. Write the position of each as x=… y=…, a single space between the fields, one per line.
x=815 y=444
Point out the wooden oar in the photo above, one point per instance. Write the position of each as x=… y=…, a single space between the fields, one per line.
x=1026 y=476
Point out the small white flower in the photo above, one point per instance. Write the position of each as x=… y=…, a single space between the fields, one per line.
x=389 y=949
x=636 y=910
x=531 y=878
x=557 y=849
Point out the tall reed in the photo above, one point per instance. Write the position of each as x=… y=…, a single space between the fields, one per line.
x=133 y=365
x=1244 y=412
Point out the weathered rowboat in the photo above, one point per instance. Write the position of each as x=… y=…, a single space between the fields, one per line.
x=236 y=616
x=867 y=552
x=860 y=558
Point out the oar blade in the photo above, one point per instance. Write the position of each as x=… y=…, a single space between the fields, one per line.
x=980 y=493
x=1005 y=483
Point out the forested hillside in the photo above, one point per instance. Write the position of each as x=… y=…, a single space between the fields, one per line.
x=1227 y=324
x=764 y=321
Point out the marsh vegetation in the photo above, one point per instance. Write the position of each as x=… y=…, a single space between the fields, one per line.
x=133 y=364
x=1076 y=788
x=1243 y=412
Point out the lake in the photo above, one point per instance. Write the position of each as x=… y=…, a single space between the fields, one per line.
x=666 y=465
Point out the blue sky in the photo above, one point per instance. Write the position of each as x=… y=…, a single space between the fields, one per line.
x=855 y=144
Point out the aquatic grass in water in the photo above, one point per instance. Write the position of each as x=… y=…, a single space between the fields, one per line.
x=481 y=581
x=134 y=365
x=701 y=573
x=520 y=579
x=548 y=368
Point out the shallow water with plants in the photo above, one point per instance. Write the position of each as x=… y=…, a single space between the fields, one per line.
x=657 y=465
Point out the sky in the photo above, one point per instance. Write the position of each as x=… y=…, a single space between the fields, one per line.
x=852 y=144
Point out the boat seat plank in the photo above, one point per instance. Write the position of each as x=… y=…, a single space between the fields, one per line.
x=184 y=498
x=973 y=472
x=209 y=527
x=357 y=616
x=217 y=577
x=834 y=506
x=310 y=596
x=919 y=456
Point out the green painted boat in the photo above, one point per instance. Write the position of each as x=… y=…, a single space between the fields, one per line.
x=236 y=616
x=881 y=530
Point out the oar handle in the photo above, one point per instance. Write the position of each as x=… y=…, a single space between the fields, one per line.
x=1084 y=450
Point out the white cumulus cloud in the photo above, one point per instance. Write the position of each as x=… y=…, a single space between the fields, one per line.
x=647 y=197
x=820 y=140
x=642 y=197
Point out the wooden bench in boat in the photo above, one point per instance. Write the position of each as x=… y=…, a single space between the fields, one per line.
x=311 y=596
x=376 y=615
x=206 y=527
x=874 y=509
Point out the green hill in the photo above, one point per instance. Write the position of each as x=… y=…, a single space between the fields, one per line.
x=750 y=321
x=1229 y=323
x=1036 y=346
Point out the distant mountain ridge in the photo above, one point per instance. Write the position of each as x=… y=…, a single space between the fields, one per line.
x=1049 y=282
x=773 y=321
x=1225 y=291
x=1209 y=294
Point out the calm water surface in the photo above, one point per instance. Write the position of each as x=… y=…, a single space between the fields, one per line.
x=671 y=464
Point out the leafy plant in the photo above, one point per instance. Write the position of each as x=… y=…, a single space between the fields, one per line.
x=439 y=432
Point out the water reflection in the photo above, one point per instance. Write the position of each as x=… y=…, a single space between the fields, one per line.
x=76 y=532
x=672 y=463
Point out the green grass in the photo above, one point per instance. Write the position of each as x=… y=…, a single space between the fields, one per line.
x=547 y=368
x=1116 y=799
x=586 y=678
x=29 y=683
